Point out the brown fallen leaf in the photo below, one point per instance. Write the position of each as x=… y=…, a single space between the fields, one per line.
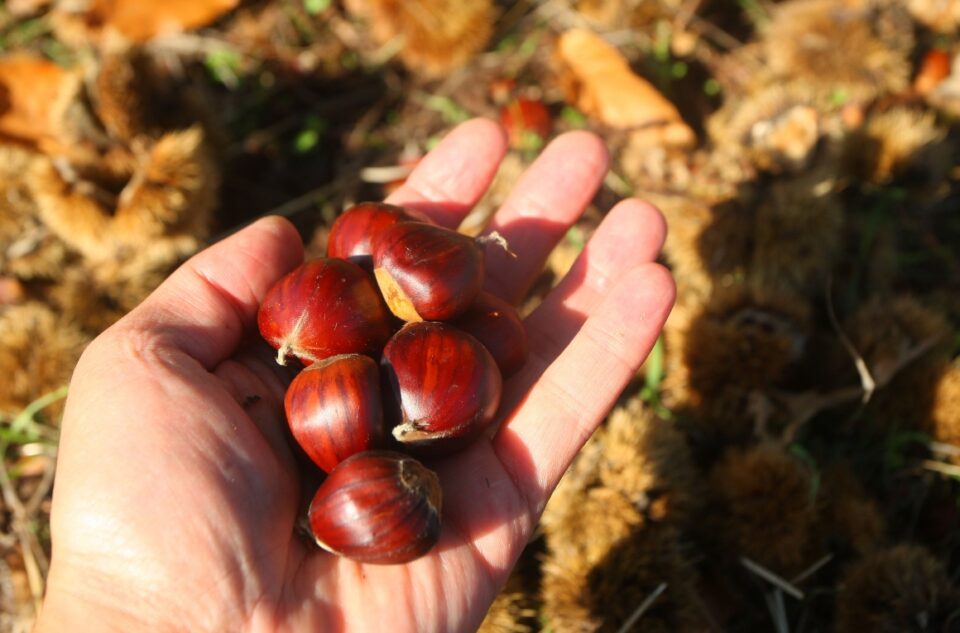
x=139 y=21
x=34 y=97
x=601 y=83
x=433 y=37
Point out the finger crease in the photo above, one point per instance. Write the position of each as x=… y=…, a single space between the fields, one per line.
x=236 y=304
x=612 y=343
x=433 y=194
x=522 y=491
x=522 y=206
x=548 y=343
x=481 y=560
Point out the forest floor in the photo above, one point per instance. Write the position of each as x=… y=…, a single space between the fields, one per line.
x=790 y=453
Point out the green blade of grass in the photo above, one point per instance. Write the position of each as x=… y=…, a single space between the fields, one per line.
x=655 y=366
x=25 y=419
x=314 y=7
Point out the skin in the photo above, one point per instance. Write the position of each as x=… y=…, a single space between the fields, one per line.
x=177 y=495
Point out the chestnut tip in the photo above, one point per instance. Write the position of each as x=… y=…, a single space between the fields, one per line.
x=282 y=352
x=286 y=347
x=408 y=432
x=494 y=237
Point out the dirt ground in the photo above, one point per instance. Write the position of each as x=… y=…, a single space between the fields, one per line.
x=788 y=459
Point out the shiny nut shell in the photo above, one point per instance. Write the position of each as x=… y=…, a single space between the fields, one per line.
x=496 y=324
x=377 y=507
x=445 y=385
x=334 y=411
x=427 y=272
x=358 y=229
x=323 y=308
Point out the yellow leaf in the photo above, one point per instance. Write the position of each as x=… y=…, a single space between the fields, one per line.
x=603 y=86
x=140 y=21
x=34 y=97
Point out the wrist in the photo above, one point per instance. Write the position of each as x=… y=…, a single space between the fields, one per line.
x=66 y=604
x=85 y=600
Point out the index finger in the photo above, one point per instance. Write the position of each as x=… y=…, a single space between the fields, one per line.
x=453 y=176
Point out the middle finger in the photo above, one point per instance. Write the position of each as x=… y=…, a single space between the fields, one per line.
x=549 y=198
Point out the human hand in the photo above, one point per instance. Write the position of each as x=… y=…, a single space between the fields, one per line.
x=177 y=494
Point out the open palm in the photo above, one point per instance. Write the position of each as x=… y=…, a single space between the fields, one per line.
x=177 y=495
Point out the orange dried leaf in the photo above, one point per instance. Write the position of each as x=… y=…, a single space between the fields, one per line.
x=143 y=21
x=934 y=68
x=34 y=97
x=604 y=87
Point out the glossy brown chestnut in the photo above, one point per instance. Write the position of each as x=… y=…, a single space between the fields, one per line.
x=496 y=324
x=334 y=411
x=427 y=272
x=359 y=228
x=377 y=507
x=527 y=122
x=323 y=308
x=445 y=386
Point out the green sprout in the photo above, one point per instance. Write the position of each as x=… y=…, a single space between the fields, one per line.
x=573 y=117
x=451 y=111
x=223 y=65
x=24 y=428
x=314 y=7
x=309 y=135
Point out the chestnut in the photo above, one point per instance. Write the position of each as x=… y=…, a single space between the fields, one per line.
x=334 y=411
x=354 y=234
x=377 y=507
x=527 y=121
x=427 y=272
x=496 y=324
x=445 y=387
x=323 y=308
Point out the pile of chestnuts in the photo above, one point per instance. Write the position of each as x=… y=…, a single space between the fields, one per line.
x=404 y=357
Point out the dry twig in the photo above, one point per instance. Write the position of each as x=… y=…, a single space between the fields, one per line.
x=939 y=467
x=27 y=540
x=867 y=381
x=638 y=613
x=778 y=581
x=811 y=570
